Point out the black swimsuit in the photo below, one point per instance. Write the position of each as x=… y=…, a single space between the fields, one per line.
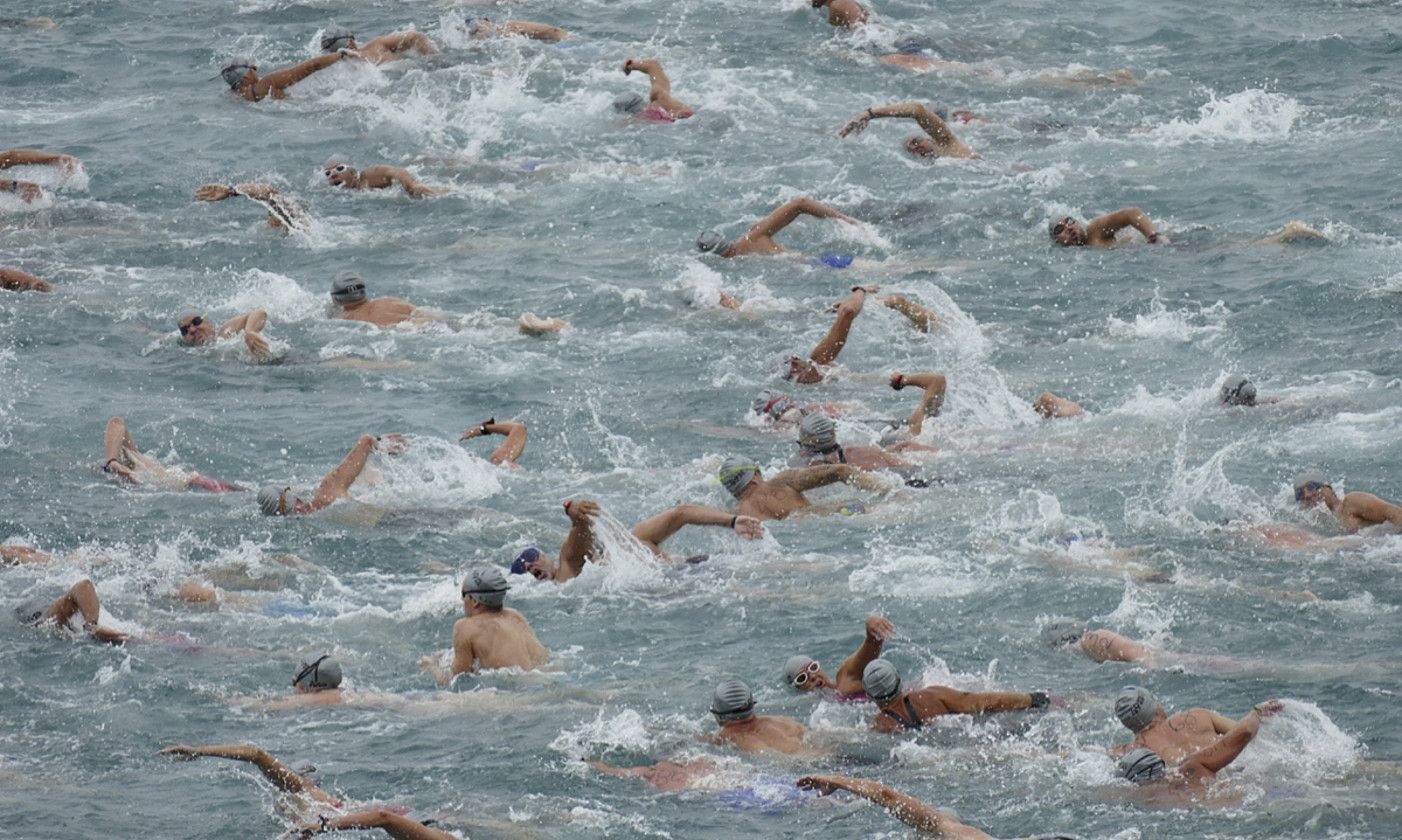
x=914 y=723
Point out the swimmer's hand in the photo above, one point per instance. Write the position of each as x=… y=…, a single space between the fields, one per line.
x=392 y=444
x=857 y=125
x=1269 y=708
x=258 y=346
x=108 y=635
x=628 y=67
x=748 y=527
x=582 y=511
x=880 y=628
x=215 y=192
x=897 y=381
x=181 y=752
x=824 y=785
x=532 y=325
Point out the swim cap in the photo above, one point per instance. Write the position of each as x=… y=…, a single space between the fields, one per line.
x=795 y=665
x=473 y=24
x=321 y=674
x=487 y=586
x=332 y=39
x=1135 y=707
x=836 y=260
x=234 y=73
x=881 y=680
x=628 y=103
x=1141 y=765
x=711 y=242
x=817 y=434
x=186 y=315
x=736 y=474
x=773 y=403
x=31 y=611
x=530 y=555
x=732 y=702
x=910 y=45
x=1237 y=390
x=347 y=288
x=1061 y=633
x=269 y=497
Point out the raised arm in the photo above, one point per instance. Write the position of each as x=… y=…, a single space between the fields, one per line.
x=276 y=772
x=579 y=547
x=337 y=483
x=986 y=702
x=251 y=325
x=1225 y=749
x=661 y=85
x=828 y=349
x=791 y=210
x=508 y=452
x=1104 y=228
x=658 y=529
x=931 y=401
x=927 y=119
x=395 y=825
x=18 y=281
x=907 y=809
x=808 y=478
x=878 y=630
x=278 y=81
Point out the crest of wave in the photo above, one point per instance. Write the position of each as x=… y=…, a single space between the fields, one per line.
x=432 y=473
x=1193 y=496
x=1300 y=743
x=1249 y=116
x=280 y=296
x=1171 y=325
x=624 y=730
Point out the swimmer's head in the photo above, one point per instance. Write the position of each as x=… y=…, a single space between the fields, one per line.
x=911 y=45
x=338 y=171
x=736 y=474
x=31 y=611
x=922 y=146
x=478 y=27
x=322 y=674
x=337 y=38
x=772 y=404
x=1141 y=765
x=1062 y=633
x=1237 y=390
x=712 y=242
x=195 y=328
x=800 y=370
x=1136 y=707
x=629 y=103
x=732 y=702
x=817 y=435
x=1067 y=231
x=1309 y=487
x=234 y=74
x=347 y=288
x=882 y=681
x=531 y=561
x=275 y=500
x=802 y=672
x=487 y=586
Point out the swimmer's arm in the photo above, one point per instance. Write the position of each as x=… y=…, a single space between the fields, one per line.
x=656 y=530
x=412 y=185
x=26 y=190
x=878 y=630
x=337 y=483
x=17 y=555
x=934 y=385
x=923 y=317
x=1112 y=223
x=33 y=157
x=513 y=447
x=580 y=543
x=661 y=85
x=538 y=31
x=276 y=772
x=1370 y=508
x=395 y=825
x=808 y=478
x=907 y=809
x=279 y=80
x=828 y=349
x=398 y=42
x=18 y=281
x=252 y=321
x=789 y=211
x=1225 y=749
x=984 y=702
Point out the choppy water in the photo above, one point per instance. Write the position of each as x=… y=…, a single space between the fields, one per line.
x=1251 y=114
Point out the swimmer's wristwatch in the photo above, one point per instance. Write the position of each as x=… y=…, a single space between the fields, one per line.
x=1040 y=700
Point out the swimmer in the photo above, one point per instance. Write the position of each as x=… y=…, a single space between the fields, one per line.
x=67 y=164
x=275 y=500
x=23 y=555
x=759 y=239
x=781 y=496
x=817 y=444
x=1172 y=738
x=1293 y=232
x=316 y=685
x=81 y=598
x=242 y=76
x=1051 y=406
x=1355 y=511
x=907 y=809
x=810 y=371
x=339 y=173
x=381 y=50
x=1100 y=232
x=397 y=826
x=482 y=28
x=196 y=330
x=911 y=710
x=941 y=142
x=282 y=211
x=847 y=14
x=779 y=409
x=32 y=23
x=664 y=775
x=535 y=327
x=1097 y=645
x=348 y=294
x=124 y=460
x=803 y=672
x=1237 y=390
x=734 y=707
x=1196 y=772
x=660 y=94
x=581 y=545
x=491 y=635
x=912 y=54
x=933 y=386
x=18 y=281
x=510 y=450
x=26 y=191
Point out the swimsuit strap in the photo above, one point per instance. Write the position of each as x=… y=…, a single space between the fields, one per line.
x=914 y=723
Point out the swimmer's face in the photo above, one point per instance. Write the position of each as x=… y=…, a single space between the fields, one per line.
x=339 y=175
x=196 y=330
x=541 y=569
x=812 y=678
x=802 y=371
x=1310 y=495
x=1068 y=231
x=923 y=147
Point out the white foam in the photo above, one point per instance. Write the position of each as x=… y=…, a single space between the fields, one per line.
x=1249 y=116
x=432 y=473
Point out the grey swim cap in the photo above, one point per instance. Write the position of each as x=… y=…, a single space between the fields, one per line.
x=1306 y=478
x=487 y=586
x=1141 y=765
x=234 y=73
x=269 y=496
x=795 y=665
x=1237 y=390
x=347 y=288
x=335 y=38
x=1135 y=707
x=186 y=315
x=31 y=610
x=881 y=680
x=712 y=242
x=473 y=24
x=628 y=103
x=320 y=674
x=817 y=434
x=736 y=474
x=732 y=702
x=771 y=402
x=1061 y=633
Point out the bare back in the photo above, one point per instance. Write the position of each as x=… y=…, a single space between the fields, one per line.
x=382 y=312
x=496 y=640
x=772 y=501
x=764 y=733
x=1180 y=735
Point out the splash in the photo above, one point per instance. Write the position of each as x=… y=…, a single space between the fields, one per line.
x=1250 y=116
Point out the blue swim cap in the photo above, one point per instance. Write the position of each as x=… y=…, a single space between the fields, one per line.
x=524 y=559
x=910 y=45
x=836 y=260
